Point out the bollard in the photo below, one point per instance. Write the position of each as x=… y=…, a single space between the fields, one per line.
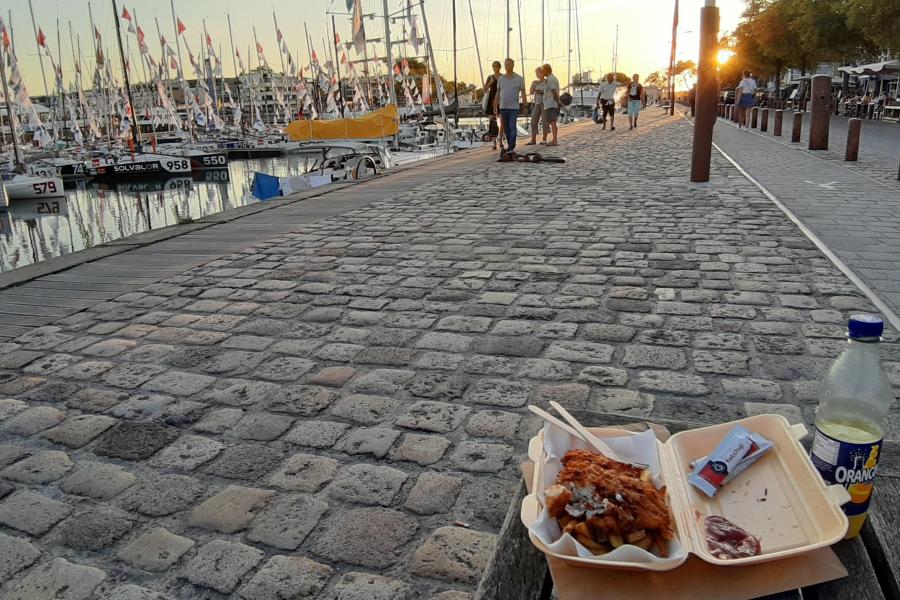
x=754 y=115
x=820 y=117
x=779 y=117
x=706 y=94
x=764 y=121
x=798 y=124
x=719 y=109
x=852 y=151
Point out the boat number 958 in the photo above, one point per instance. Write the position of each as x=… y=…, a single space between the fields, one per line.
x=216 y=159
x=177 y=165
x=44 y=187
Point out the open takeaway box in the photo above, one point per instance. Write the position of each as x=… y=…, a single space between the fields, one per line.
x=781 y=499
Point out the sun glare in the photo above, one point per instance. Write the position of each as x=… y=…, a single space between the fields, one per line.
x=724 y=55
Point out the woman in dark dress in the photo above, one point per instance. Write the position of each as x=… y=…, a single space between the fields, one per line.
x=490 y=90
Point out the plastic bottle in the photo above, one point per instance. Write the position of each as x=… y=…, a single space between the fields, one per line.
x=854 y=399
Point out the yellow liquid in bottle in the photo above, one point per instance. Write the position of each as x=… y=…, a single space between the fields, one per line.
x=856 y=431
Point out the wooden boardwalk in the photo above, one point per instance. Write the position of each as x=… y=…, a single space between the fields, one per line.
x=40 y=294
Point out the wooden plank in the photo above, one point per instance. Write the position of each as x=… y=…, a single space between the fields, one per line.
x=860 y=583
x=8 y=308
x=44 y=300
x=517 y=570
x=86 y=295
x=116 y=288
x=25 y=321
x=13 y=331
x=881 y=534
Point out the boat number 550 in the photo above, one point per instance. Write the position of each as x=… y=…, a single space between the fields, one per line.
x=215 y=159
x=44 y=187
x=177 y=165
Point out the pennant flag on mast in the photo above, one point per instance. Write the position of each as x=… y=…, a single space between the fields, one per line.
x=359 y=28
x=127 y=16
x=97 y=34
x=41 y=38
x=181 y=27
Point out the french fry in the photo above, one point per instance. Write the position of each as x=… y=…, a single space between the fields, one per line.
x=582 y=529
x=635 y=536
x=564 y=520
x=644 y=543
x=615 y=540
x=570 y=526
x=590 y=544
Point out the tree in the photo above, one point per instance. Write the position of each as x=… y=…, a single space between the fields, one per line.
x=657 y=78
x=619 y=77
x=877 y=19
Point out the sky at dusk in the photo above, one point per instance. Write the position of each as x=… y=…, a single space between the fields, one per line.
x=644 y=31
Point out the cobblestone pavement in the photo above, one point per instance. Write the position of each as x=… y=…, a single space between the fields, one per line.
x=851 y=208
x=308 y=417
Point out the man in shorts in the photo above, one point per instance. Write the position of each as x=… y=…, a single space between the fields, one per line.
x=607 y=100
x=551 y=104
x=635 y=97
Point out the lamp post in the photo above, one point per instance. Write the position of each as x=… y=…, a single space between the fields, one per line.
x=707 y=92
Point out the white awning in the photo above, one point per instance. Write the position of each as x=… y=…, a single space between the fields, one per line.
x=891 y=67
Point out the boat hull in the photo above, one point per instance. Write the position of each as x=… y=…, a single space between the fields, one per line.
x=163 y=167
x=208 y=160
x=34 y=188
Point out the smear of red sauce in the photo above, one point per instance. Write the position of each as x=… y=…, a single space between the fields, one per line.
x=726 y=540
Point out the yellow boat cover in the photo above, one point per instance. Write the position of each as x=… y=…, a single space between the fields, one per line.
x=381 y=123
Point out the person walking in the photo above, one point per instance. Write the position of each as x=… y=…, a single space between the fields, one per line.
x=635 y=98
x=551 y=105
x=744 y=93
x=490 y=110
x=510 y=86
x=537 y=99
x=607 y=100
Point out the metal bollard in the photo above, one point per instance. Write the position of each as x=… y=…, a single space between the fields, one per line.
x=754 y=115
x=797 y=125
x=764 y=121
x=852 y=151
x=820 y=117
x=735 y=112
x=779 y=117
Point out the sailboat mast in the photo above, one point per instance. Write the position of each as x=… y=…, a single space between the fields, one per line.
x=578 y=46
x=543 y=11
x=569 y=45
x=455 y=77
x=389 y=54
x=281 y=56
x=437 y=77
x=508 y=29
x=135 y=131
x=10 y=116
x=62 y=91
x=37 y=44
x=477 y=48
x=521 y=41
x=337 y=65
x=177 y=40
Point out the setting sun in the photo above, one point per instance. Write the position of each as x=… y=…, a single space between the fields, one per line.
x=723 y=56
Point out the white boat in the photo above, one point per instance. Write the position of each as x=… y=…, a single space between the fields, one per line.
x=68 y=169
x=22 y=187
x=201 y=157
x=124 y=166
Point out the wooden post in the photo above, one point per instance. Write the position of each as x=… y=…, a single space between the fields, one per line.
x=820 y=114
x=706 y=93
x=797 y=125
x=754 y=117
x=764 y=121
x=779 y=118
x=852 y=151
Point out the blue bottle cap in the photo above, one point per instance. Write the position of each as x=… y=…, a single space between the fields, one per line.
x=865 y=326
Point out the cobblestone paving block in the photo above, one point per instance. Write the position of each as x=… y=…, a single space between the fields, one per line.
x=333 y=376
x=10 y=407
x=654 y=356
x=382 y=382
x=752 y=389
x=49 y=364
x=421 y=449
x=162 y=495
x=284 y=368
x=481 y=457
x=444 y=342
x=179 y=383
x=286 y=577
x=32 y=513
x=370 y=440
x=89 y=370
x=220 y=565
x=135 y=441
x=452 y=595
x=510 y=346
x=369 y=537
x=316 y=434
x=97 y=480
x=33 y=420
x=219 y=421
x=366 y=409
x=187 y=453
x=58 y=578
x=304 y=473
x=39 y=468
x=721 y=362
x=674 y=383
x=499 y=392
x=789 y=411
x=437 y=386
x=606 y=376
x=582 y=352
x=135 y=592
x=303 y=400
x=261 y=426
x=367 y=586
x=493 y=424
x=433 y=493
x=155 y=550
x=287 y=521
x=94 y=529
x=485 y=499
x=16 y=554
x=454 y=554
x=428 y=415
x=367 y=484
x=622 y=401
x=19 y=358
x=10 y=453
x=544 y=369
x=77 y=431
x=232 y=509
x=246 y=461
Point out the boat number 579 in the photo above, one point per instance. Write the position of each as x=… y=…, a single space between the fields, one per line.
x=44 y=187
x=173 y=165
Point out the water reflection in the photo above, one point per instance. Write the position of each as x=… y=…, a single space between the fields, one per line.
x=91 y=214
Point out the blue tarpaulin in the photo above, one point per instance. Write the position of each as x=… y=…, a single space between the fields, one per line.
x=265 y=186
